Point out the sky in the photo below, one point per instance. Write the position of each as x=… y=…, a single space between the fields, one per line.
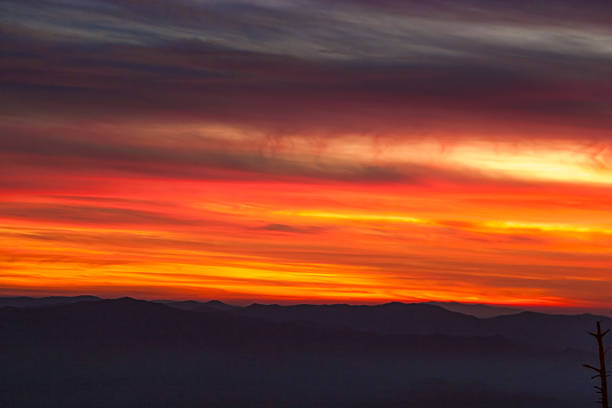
x=308 y=151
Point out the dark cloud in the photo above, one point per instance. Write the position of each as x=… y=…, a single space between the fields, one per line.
x=282 y=67
x=89 y=215
x=109 y=200
x=290 y=229
x=210 y=83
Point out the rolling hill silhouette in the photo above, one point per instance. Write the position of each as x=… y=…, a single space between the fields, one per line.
x=556 y=332
x=476 y=309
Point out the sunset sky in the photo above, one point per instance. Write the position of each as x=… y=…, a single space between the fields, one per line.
x=308 y=150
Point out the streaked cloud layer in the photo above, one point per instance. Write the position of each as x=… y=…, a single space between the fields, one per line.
x=307 y=150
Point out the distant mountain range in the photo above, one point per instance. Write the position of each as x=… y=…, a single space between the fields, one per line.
x=26 y=301
x=553 y=332
x=476 y=309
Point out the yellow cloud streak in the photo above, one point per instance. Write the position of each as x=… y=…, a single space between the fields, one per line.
x=552 y=160
x=548 y=227
x=483 y=225
x=356 y=217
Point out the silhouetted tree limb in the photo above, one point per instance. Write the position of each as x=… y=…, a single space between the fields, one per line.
x=601 y=370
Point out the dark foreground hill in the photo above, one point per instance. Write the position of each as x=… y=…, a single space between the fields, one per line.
x=127 y=352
